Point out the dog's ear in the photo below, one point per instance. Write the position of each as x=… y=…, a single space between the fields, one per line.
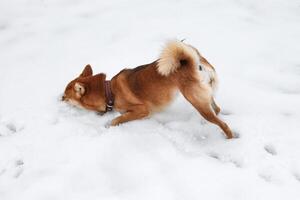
x=79 y=89
x=87 y=71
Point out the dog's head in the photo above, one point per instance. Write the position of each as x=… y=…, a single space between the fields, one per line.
x=86 y=91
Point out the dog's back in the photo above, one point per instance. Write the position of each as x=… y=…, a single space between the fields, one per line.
x=155 y=84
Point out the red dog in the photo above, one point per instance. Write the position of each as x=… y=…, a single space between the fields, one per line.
x=148 y=88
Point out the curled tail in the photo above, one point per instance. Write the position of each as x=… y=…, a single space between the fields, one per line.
x=174 y=55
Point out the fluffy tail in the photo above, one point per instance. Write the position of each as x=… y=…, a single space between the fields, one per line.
x=174 y=55
x=177 y=54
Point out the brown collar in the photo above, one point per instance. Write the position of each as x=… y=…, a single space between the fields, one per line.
x=109 y=97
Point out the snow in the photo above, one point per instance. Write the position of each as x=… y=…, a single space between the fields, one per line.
x=49 y=150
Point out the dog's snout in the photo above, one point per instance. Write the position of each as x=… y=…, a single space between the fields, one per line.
x=63 y=97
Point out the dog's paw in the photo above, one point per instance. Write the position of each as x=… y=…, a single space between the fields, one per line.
x=115 y=122
x=235 y=135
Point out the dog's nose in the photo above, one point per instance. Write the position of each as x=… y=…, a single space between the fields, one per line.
x=63 y=97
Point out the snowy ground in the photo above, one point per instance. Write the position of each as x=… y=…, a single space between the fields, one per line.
x=49 y=150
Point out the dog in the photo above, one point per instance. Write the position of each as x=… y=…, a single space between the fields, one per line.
x=138 y=92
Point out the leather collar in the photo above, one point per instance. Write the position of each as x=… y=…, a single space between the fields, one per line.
x=109 y=97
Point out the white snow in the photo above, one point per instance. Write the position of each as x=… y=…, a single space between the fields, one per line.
x=49 y=150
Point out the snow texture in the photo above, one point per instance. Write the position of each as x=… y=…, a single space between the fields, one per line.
x=49 y=150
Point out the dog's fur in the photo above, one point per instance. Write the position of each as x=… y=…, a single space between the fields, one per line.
x=149 y=88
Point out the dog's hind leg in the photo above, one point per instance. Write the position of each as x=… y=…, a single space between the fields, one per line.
x=215 y=106
x=200 y=97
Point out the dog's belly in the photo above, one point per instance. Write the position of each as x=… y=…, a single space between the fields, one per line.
x=160 y=101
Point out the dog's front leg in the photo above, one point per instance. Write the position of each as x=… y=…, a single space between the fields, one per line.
x=135 y=112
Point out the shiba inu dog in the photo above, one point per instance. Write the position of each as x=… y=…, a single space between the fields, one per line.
x=138 y=92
